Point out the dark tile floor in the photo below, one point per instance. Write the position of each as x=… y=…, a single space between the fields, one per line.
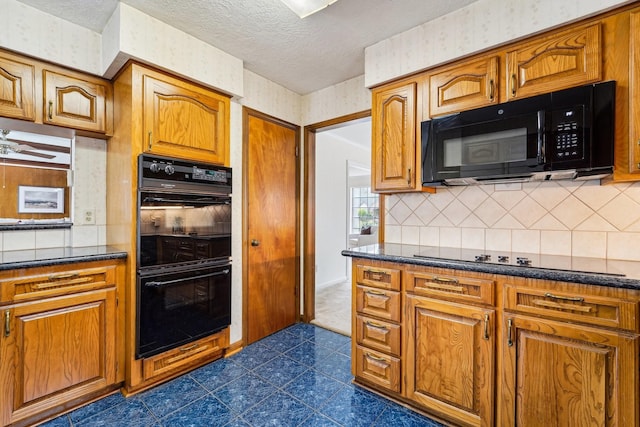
x=300 y=376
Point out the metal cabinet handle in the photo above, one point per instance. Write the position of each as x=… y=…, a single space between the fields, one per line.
x=376 y=358
x=491 y=90
x=561 y=298
x=7 y=323
x=376 y=325
x=150 y=141
x=409 y=176
x=255 y=242
x=63 y=276
x=377 y=293
x=486 y=326
x=509 y=333
x=50 y=113
x=514 y=81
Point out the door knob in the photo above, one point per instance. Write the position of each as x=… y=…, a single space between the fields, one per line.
x=255 y=242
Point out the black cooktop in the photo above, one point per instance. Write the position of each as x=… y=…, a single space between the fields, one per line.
x=524 y=260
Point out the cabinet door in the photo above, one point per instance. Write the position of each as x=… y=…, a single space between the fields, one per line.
x=394 y=139
x=56 y=350
x=557 y=374
x=465 y=86
x=184 y=120
x=555 y=62
x=450 y=359
x=16 y=89
x=634 y=93
x=79 y=103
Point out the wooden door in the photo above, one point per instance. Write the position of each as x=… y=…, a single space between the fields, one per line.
x=394 y=151
x=271 y=238
x=561 y=375
x=185 y=120
x=74 y=102
x=450 y=359
x=464 y=86
x=56 y=350
x=555 y=62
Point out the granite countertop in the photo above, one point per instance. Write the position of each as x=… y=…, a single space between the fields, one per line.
x=10 y=260
x=591 y=271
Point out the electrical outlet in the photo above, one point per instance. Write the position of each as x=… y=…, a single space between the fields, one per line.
x=90 y=216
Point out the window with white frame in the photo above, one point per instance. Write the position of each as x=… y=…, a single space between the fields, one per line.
x=365 y=209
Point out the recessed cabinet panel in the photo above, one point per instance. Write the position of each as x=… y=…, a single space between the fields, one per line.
x=17 y=89
x=379 y=303
x=464 y=86
x=394 y=140
x=554 y=62
x=562 y=374
x=450 y=360
x=74 y=102
x=183 y=120
x=634 y=93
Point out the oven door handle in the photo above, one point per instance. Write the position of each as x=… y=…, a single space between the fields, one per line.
x=157 y=284
x=186 y=202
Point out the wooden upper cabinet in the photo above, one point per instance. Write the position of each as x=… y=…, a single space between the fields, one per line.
x=559 y=374
x=558 y=61
x=394 y=141
x=184 y=120
x=79 y=103
x=464 y=86
x=634 y=92
x=17 y=96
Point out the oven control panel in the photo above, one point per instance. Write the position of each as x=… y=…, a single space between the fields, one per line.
x=177 y=171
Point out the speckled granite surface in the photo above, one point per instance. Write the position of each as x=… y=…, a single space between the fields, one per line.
x=591 y=271
x=56 y=256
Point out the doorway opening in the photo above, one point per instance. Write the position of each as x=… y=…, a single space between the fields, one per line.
x=341 y=212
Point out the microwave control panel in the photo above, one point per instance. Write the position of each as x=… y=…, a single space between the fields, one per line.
x=568 y=134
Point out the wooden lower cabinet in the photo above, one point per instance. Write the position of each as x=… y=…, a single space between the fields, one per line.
x=480 y=349
x=559 y=374
x=449 y=359
x=59 y=350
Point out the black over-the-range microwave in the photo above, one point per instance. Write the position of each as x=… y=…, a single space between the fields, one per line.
x=567 y=134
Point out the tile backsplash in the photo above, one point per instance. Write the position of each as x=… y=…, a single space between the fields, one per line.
x=579 y=218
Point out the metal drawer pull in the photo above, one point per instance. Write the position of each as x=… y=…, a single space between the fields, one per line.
x=48 y=285
x=444 y=287
x=185 y=355
x=376 y=358
x=437 y=279
x=376 y=325
x=50 y=112
x=7 y=323
x=509 y=333
x=513 y=84
x=191 y=347
x=150 y=142
x=491 y=90
x=573 y=299
x=551 y=304
x=64 y=276
x=486 y=326
x=376 y=293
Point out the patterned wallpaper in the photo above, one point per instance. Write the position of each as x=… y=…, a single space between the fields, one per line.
x=478 y=26
x=557 y=218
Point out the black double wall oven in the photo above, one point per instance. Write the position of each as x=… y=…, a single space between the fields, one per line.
x=184 y=252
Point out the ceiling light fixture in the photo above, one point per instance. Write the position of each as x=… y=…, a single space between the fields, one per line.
x=304 y=8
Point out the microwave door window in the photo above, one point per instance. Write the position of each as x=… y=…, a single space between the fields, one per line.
x=501 y=147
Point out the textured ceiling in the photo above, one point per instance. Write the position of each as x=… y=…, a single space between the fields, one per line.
x=303 y=55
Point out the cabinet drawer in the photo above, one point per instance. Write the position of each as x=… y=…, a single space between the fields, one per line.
x=451 y=287
x=378 y=368
x=379 y=335
x=595 y=310
x=378 y=277
x=187 y=354
x=55 y=284
x=379 y=303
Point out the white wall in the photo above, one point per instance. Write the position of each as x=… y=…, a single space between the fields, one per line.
x=332 y=154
